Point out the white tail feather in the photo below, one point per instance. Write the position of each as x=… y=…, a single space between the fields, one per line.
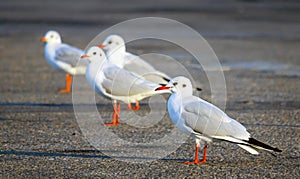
x=249 y=149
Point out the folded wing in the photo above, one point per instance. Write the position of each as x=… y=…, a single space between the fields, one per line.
x=69 y=55
x=207 y=119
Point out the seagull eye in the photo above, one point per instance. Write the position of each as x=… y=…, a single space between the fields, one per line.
x=110 y=42
x=175 y=83
x=51 y=36
x=94 y=53
x=184 y=85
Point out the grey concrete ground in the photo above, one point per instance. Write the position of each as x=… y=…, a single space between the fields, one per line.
x=257 y=43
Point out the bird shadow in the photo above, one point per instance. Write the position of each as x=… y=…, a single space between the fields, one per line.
x=82 y=154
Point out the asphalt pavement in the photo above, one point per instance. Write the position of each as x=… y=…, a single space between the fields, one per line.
x=257 y=43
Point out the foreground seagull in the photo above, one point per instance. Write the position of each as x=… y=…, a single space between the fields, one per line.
x=63 y=57
x=116 y=54
x=206 y=122
x=116 y=83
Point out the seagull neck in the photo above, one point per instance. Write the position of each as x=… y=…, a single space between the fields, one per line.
x=177 y=98
x=92 y=70
x=175 y=107
x=184 y=93
x=49 y=50
x=116 y=56
x=58 y=41
x=121 y=50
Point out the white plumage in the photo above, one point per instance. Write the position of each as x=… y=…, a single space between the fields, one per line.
x=204 y=121
x=116 y=83
x=116 y=54
x=63 y=57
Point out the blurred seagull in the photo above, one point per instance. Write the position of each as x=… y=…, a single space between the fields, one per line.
x=206 y=122
x=115 y=83
x=63 y=57
x=116 y=54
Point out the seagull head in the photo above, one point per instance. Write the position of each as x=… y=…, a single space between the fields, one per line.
x=178 y=84
x=51 y=37
x=112 y=42
x=94 y=54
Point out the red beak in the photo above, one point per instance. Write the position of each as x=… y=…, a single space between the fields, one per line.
x=162 y=88
x=43 y=39
x=84 y=56
x=101 y=46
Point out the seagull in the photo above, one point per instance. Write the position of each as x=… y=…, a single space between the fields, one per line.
x=115 y=83
x=206 y=122
x=63 y=57
x=114 y=45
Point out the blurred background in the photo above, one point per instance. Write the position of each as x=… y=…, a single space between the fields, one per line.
x=245 y=34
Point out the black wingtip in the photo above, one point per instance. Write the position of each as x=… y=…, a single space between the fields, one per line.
x=166 y=79
x=263 y=145
x=198 y=89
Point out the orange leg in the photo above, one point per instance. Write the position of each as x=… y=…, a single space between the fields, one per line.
x=196 y=160
x=137 y=106
x=116 y=115
x=68 y=84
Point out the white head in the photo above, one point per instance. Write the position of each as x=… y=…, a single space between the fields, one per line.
x=94 y=54
x=51 y=37
x=113 y=42
x=180 y=85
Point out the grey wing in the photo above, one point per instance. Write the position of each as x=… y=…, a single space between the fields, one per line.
x=140 y=67
x=68 y=54
x=206 y=118
x=120 y=82
x=137 y=65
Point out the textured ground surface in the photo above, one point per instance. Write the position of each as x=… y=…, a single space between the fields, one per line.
x=257 y=43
